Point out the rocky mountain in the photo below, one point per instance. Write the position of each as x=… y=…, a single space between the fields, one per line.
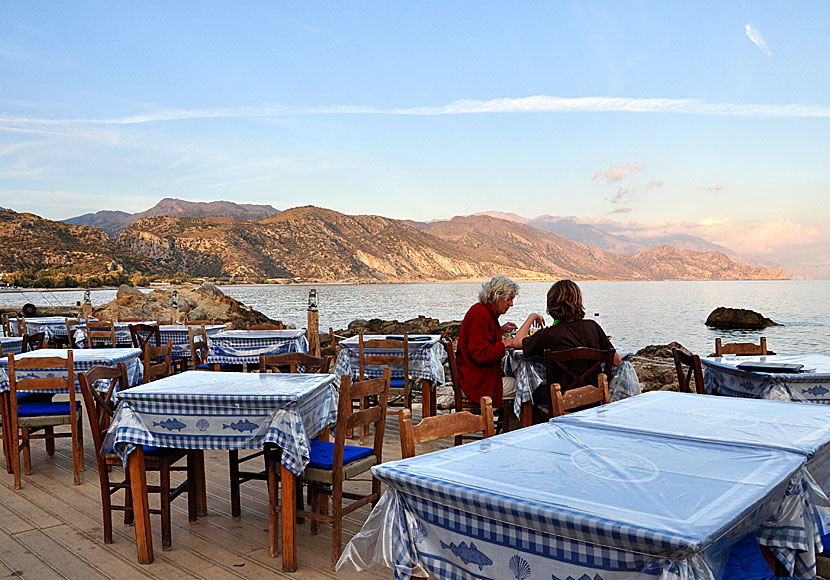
x=317 y=244
x=29 y=242
x=115 y=222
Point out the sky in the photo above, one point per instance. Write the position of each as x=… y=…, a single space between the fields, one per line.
x=709 y=118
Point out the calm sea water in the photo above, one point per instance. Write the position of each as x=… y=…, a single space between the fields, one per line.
x=634 y=314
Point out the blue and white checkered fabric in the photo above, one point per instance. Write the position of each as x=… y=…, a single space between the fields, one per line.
x=122 y=333
x=245 y=346
x=11 y=345
x=197 y=410
x=177 y=334
x=812 y=385
x=426 y=360
x=530 y=374
x=85 y=359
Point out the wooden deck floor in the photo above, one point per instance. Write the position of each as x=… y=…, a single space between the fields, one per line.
x=52 y=528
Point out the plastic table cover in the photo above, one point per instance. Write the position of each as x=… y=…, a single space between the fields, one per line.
x=572 y=500
x=530 y=373
x=204 y=410
x=426 y=358
x=11 y=344
x=245 y=346
x=721 y=376
x=122 y=332
x=85 y=359
x=795 y=427
x=52 y=326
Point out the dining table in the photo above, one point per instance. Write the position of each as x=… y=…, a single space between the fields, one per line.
x=811 y=383
x=123 y=336
x=11 y=344
x=426 y=362
x=178 y=335
x=800 y=428
x=530 y=373
x=567 y=500
x=52 y=326
x=243 y=347
x=228 y=410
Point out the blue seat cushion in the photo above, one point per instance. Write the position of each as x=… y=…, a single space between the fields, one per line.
x=209 y=367
x=746 y=562
x=37 y=409
x=148 y=450
x=322 y=454
x=34 y=397
x=399 y=383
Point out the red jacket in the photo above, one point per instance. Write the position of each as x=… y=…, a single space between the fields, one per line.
x=479 y=354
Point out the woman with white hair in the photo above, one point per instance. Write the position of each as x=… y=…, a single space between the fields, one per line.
x=480 y=344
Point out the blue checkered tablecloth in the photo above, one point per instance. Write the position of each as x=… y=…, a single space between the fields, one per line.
x=812 y=385
x=85 y=359
x=572 y=501
x=177 y=334
x=798 y=428
x=530 y=373
x=245 y=346
x=122 y=332
x=199 y=410
x=426 y=358
x=11 y=344
x=51 y=326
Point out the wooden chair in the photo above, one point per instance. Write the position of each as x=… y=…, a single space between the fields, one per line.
x=683 y=358
x=197 y=336
x=100 y=410
x=32 y=342
x=158 y=362
x=7 y=327
x=328 y=343
x=144 y=334
x=741 y=348
x=265 y=326
x=441 y=426
x=462 y=403
x=389 y=361
x=275 y=363
x=576 y=367
x=100 y=332
x=333 y=462
x=579 y=397
x=70 y=338
x=291 y=362
x=27 y=419
x=21 y=325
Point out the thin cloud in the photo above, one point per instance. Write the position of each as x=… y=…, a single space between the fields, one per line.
x=757 y=39
x=533 y=104
x=653 y=184
x=621 y=210
x=717 y=187
x=623 y=195
x=618 y=171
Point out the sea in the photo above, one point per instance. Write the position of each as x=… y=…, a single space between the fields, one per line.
x=633 y=314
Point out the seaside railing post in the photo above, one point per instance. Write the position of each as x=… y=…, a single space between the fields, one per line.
x=313 y=327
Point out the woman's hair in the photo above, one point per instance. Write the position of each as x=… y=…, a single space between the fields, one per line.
x=499 y=286
x=565 y=301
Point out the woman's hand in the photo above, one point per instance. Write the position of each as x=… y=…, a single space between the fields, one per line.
x=508 y=327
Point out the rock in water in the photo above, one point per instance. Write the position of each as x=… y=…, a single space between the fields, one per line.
x=738 y=318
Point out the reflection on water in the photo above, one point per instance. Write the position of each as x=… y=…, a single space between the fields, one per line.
x=634 y=314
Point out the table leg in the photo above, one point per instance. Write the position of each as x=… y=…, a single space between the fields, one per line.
x=289 y=526
x=141 y=507
x=201 y=488
x=426 y=399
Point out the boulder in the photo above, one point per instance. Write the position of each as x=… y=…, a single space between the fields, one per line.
x=419 y=325
x=210 y=288
x=738 y=318
x=125 y=290
x=655 y=367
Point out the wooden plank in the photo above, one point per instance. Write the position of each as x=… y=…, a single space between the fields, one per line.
x=22 y=562
x=60 y=559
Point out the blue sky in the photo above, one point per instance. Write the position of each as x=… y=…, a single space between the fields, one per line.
x=711 y=118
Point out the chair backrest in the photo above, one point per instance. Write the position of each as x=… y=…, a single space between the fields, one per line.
x=7 y=327
x=741 y=348
x=21 y=325
x=99 y=406
x=683 y=358
x=577 y=367
x=280 y=363
x=387 y=360
x=441 y=426
x=38 y=383
x=265 y=326
x=348 y=419
x=69 y=322
x=158 y=361
x=143 y=334
x=100 y=329
x=579 y=397
x=197 y=336
x=461 y=401
x=33 y=341
x=328 y=343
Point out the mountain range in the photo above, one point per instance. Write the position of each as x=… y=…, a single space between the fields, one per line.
x=255 y=242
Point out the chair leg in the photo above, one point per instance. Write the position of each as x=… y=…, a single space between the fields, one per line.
x=336 y=522
x=233 y=468
x=77 y=455
x=192 y=487
x=315 y=507
x=106 y=502
x=27 y=454
x=505 y=416
x=49 y=433
x=164 y=484
x=364 y=430
x=81 y=442
x=273 y=508
x=15 y=455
